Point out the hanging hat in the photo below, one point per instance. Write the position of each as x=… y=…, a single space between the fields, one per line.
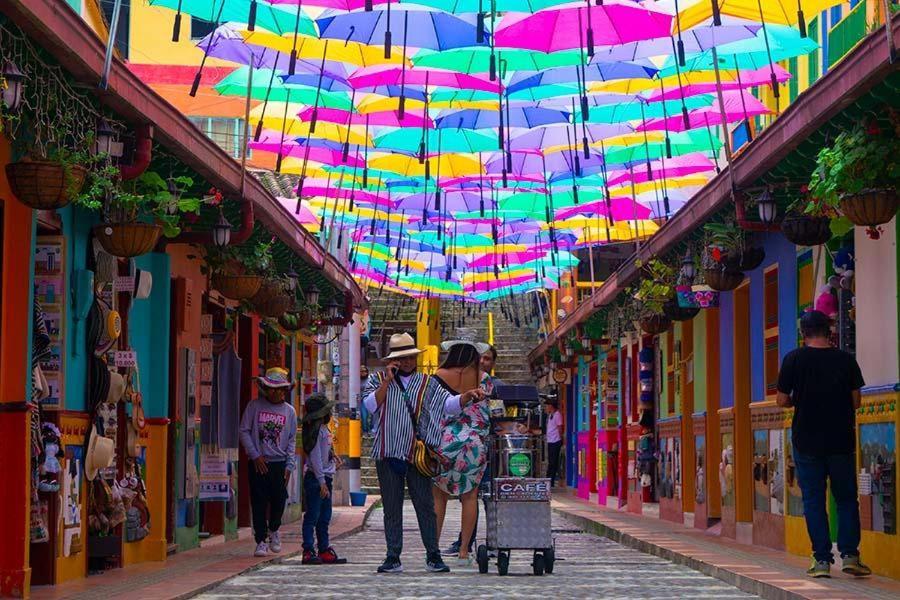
x=317 y=407
x=143 y=283
x=100 y=454
x=402 y=344
x=110 y=328
x=465 y=336
x=275 y=378
x=116 y=387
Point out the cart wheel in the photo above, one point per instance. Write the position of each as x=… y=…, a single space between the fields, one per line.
x=502 y=563
x=482 y=558
x=549 y=559
x=538 y=563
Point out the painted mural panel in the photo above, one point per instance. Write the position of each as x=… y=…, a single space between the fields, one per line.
x=775 y=469
x=670 y=467
x=792 y=484
x=699 y=469
x=726 y=470
x=877 y=477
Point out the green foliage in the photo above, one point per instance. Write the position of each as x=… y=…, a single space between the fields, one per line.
x=250 y=259
x=865 y=157
x=657 y=285
x=726 y=236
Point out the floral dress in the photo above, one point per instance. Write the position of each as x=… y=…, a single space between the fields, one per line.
x=462 y=451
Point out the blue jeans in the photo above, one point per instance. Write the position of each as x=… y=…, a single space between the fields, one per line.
x=318 y=513
x=812 y=474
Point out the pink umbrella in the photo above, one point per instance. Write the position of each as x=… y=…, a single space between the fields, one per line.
x=615 y=22
x=388 y=118
x=493 y=284
x=347 y=5
x=512 y=258
x=677 y=166
x=359 y=196
x=737 y=106
x=747 y=79
x=377 y=75
x=304 y=217
x=495 y=178
x=317 y=154
x=623 y=209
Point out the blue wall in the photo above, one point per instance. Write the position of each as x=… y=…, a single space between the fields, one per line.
x=149 y=335
x=726 y=350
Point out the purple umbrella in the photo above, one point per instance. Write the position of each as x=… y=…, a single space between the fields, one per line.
x=698 y=39
x=524 y=116
x=595 y=72
x=451 y=200
x=532 y=162
x=561 y=135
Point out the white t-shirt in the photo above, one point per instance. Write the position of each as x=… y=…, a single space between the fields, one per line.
x=554 y=428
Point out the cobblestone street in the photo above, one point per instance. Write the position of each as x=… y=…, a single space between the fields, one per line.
x=588 y=567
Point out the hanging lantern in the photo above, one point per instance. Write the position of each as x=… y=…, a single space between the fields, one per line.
x=174 y=196
x=768 y=210
x=333 y=310
x=312 y=295
x=104 y=139
x=221 y=231
x=13 y=80
x=292 y=277
x=688 y=269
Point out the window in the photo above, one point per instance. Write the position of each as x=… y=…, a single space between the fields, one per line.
x=200 y=28
x=226 y=132
x=122 y=32
x=770 y=315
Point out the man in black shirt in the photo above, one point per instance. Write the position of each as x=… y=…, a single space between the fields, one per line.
x=822 y=384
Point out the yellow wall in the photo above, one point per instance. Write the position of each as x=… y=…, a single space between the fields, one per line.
x=73 y=426
x=151 y=38
x=153 y=547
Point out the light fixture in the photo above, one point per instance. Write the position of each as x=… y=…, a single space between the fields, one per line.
x=768 y=210
x=221 y=231
x=292 y=277
x=175 y=196
x=586 y=342
x=688 y=269
x=334 y=309
x=104 y=139
x=312 y=295
x=13 y=80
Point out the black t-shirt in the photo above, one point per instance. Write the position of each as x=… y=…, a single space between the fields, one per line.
x=820 y=382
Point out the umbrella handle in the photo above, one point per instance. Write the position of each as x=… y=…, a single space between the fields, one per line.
x=668 y=146
x=437 y=200
x=585 y=109
x=427 y=169
x=717 y=16
x=492 y=67
x=251 y=18
x=387 y=44
x=258 y=132
x=292 y=66
x=587 y=150
x=801 y=21
x=479 y=28
x=422 y=152
x=300 y=185
x=401 y=108
x=365 y=181
x=314 y=120
x=685 y=117
x=176 y=27
x=345 y=154
x=590 y=42
x=681 y=56
x=369 y=6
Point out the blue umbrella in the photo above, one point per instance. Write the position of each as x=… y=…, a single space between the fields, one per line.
x=520 y=116
x=566 y=75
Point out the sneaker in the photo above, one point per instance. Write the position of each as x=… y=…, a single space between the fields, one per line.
x=391 y=565
x=330 y=557
x=853 y=566
x=819 y=568
x=262 y=549
x=274 y=542
x=464 y=563
x=452 y=550
x=436 y=565
x=310 y=558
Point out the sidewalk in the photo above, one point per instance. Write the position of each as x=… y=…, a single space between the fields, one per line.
x=767 y=573
x=187 y=574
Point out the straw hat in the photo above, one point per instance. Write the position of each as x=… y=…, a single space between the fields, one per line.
x=100 y=454
x=275 y=378
x=465 y=336
x=402 y=344
x=116 y=387
x=110 y=328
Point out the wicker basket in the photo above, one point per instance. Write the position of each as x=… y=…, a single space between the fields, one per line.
x=269 y=288
x=722 y=280
x=41 y=184
x=870 y=207
x=747 y=260
x=655 y=324
x=676 y=312
x=273 y=307
x=803 y=230
x=126 y=240
x=237 y=287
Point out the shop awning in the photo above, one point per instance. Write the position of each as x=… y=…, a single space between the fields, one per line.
x=77 y=48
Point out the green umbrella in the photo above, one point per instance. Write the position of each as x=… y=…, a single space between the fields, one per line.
x=634 y=111
x=272 y=17
x=452 y=140
x=477 y=60
x=535 y=203
x=235 y=84
x=462 y=95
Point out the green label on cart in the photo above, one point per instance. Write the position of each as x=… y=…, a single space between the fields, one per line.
x=520 y=465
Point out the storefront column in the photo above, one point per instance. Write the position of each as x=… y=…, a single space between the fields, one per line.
x=15 y=391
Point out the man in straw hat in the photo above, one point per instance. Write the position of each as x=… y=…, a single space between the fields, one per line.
x=406 y=404
x=268 y=433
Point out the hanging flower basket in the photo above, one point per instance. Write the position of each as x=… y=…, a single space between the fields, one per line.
x=684 y=294
x=268 y=289
x=655 y=324
x=273 y=307
x=127 y=240
x=707 y=298
x=237 y=287
x=723 y=280
x=672 y=310
x=296 y=320
x=870 y=207
x=744 y=261
x=45 y=184
x=805 y=230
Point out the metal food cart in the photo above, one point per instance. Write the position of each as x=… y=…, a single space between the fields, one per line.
x=517 y=497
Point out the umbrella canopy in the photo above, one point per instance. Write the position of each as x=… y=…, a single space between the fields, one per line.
x=423 y=28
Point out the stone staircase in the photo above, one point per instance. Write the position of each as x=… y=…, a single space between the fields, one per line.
x=368 y=476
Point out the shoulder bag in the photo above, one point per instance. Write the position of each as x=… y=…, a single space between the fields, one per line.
x=424 y=458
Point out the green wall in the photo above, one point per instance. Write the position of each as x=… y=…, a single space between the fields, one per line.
x=700 y=362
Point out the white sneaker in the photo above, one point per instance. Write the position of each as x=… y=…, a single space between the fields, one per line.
x=464 y=563
x=262 y=549
x=274 y=542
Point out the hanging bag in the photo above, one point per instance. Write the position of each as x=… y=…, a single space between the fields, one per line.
x=424 y=458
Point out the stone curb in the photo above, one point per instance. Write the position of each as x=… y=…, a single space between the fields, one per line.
x=277 y=559
x=738 y=580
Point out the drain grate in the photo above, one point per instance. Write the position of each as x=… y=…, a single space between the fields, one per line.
x=567 y=531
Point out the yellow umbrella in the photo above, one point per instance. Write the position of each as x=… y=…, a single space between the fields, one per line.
x=622 y=232
x=294 y=127
x=650 y=186
x=625 y=139
x=448 y=165
x=313 y=48
x=373 y=103
x=782 y=12
x=470 y=278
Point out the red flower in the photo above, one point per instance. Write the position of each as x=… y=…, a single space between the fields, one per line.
x=874 y=233
x=873 y=128
x=717 y=254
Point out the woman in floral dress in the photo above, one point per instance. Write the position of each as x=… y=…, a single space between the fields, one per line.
x=463 y=452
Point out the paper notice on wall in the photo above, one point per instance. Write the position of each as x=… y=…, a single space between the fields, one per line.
x=214 y=478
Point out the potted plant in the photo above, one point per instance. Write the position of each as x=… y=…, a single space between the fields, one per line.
x=657 y=292
x=807 y=221
x=859 y=174
x=722 y=261
x=238 y=271
x=48 y=180
x=135 y=213
x=273 y=299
